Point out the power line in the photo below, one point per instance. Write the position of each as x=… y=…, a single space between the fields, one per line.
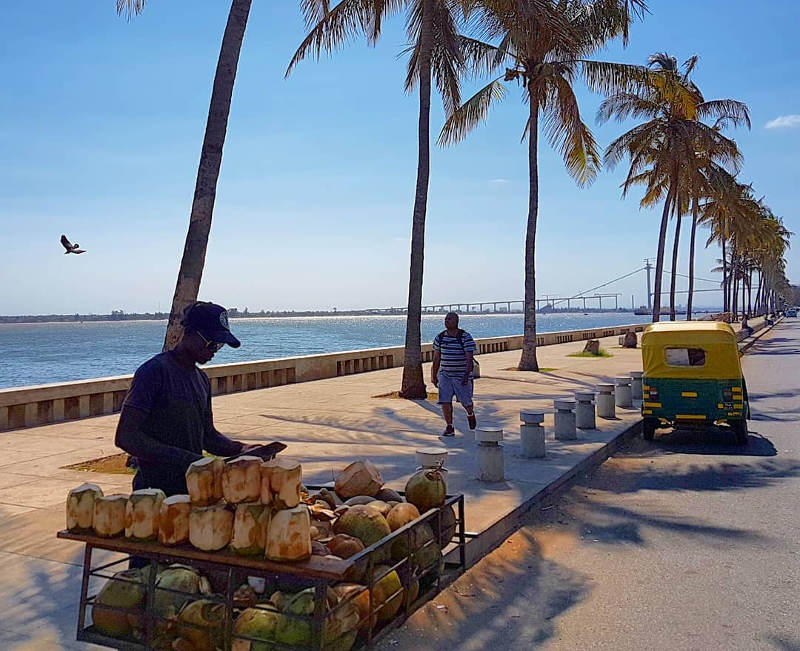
x=580 y=295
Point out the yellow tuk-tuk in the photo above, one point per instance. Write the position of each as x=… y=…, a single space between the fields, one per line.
x=692 y=378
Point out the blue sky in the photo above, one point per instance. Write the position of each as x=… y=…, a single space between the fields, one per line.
x=101 y=122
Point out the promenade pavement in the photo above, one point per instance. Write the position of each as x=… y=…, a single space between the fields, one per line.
x=326 y=424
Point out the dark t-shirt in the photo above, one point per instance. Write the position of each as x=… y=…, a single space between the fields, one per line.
x=177 y=402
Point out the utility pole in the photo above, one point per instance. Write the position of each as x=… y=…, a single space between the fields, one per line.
x=648 y=266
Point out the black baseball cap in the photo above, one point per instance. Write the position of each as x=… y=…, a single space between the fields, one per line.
x=211 y=320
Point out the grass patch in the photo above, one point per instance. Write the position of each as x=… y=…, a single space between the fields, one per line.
x=542 y=369
x=601 y=353
x=433 y=396
x=112 y=465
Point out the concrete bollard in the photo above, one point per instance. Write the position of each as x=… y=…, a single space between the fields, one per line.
x=636 y=385
x=532 y=434
x=490 y=454
x=606 y=406
x=584 y=411
x=622 y=392
x=565 y=420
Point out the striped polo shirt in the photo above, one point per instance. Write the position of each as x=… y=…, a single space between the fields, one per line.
x=453 y=356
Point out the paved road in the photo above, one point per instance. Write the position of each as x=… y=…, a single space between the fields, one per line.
x=682 y=543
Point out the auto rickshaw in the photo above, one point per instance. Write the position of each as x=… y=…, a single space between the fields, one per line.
x=692 y=378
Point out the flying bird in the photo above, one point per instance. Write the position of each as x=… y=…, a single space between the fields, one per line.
x=70 y=247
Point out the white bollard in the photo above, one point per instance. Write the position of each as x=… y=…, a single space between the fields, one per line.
x=636 y=385
x=431 y=457
x=584 y=411
x=623 y=392
x=606 y=406
x=490 y=454
x=531 y=433
x=565 y=420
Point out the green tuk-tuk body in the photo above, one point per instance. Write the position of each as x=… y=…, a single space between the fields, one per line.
x=692 y=377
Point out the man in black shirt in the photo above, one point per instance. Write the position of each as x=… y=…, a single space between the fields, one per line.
x=166 y=420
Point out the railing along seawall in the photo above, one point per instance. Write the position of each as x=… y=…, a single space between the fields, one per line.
x=64 y=401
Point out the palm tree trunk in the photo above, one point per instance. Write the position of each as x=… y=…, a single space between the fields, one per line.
x=662 y=243
x=413 y=383
x=750 y=293
x=674 y=275
x=205 y=191
x=690 y=295
x=528 y=361
x=726 y=304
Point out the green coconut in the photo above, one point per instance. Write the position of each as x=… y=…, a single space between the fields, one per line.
x=363 y=522
x=426 y=489
x=186 y=581
x=387 y=591
x=123 y=590
x=425 y=553
x=296 y=630
x=447 y=528
x=259 y=623
x=205 y=621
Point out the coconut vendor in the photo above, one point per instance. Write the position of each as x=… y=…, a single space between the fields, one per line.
x=166 y=420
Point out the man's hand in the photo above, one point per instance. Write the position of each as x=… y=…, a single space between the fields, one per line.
x=435 y=381
x=465 y=381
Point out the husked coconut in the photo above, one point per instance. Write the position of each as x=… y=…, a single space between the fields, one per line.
x=281 y=481
x=388 y=495
x=402 y=514
x=359 y=499
x=241 y=480
x=383 y=507
x=210 y=527
x=109 y=515
x=318 y=549
x=204 y=481
x=359 y=478
x=173 y=520
x=142 y=513
x=358 y=595
x=80 y=506
x=250 y=524
x=289 y=535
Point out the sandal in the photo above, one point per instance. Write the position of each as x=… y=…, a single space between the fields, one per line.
x=449 y=431
x=473 y=422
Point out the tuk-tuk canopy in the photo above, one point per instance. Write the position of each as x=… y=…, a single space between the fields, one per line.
x=705 y=350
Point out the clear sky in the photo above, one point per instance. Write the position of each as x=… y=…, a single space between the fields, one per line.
x=101 y=122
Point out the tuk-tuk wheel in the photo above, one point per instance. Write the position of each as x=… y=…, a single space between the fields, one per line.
x=649 y=428
x=740 y=430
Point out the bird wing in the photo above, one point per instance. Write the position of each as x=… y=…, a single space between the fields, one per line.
x=78 y=250
x=65 y=242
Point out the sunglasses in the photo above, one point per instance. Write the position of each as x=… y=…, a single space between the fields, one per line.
x=213 y=346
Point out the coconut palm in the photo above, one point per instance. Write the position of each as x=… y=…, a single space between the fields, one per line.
x=190 y=272
x=435 y=55
x=543 y=46
x=668 y=151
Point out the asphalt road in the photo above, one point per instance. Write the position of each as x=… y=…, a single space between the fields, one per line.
x=687 y=542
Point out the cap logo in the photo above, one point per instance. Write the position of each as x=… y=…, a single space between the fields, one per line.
x=223 y=319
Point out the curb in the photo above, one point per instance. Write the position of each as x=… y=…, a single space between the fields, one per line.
x=755 y=337
x=491 y=538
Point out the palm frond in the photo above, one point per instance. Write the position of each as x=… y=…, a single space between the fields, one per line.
x=130 y=7
x=471 y=113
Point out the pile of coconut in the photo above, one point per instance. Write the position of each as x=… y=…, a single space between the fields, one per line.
x=339 y=523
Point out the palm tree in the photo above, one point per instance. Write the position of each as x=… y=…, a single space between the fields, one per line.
x=668 y=151
x=543 y=46
x=435 y=55
x=190 y=272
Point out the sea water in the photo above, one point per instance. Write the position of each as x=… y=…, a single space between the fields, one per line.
x=41 y=353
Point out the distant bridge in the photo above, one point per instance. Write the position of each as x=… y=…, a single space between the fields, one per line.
x=595 y=301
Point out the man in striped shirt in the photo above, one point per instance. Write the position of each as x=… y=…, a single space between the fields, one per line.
x=451 y=373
